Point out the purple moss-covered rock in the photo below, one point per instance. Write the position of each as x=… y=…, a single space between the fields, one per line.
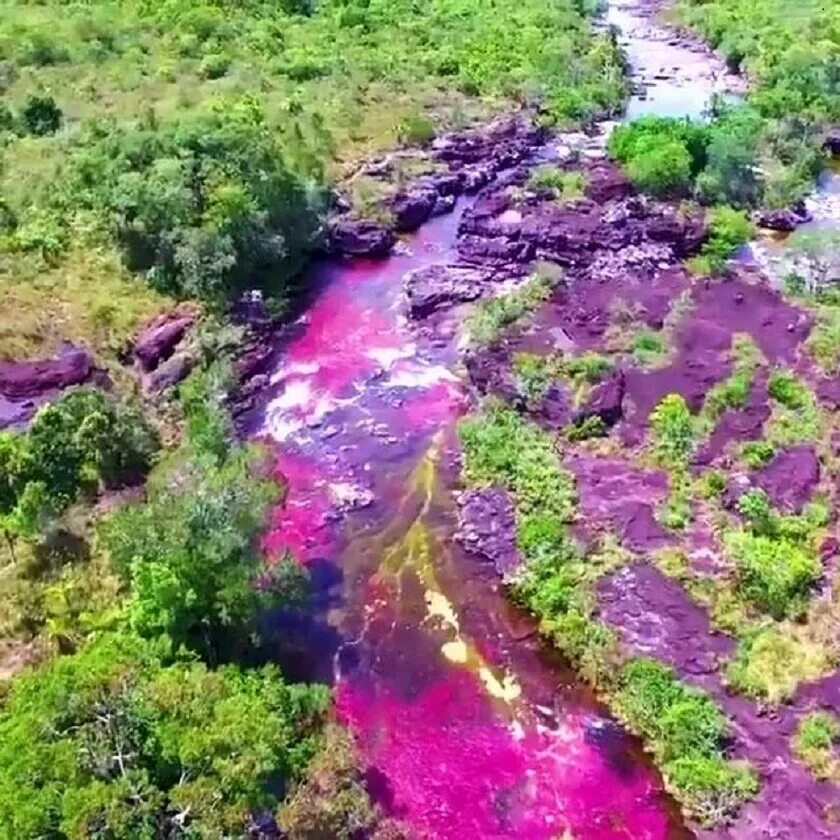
x=34 y=379
x=412 y=207
x=437 y=286
x=786 y=219
x=605 y=400
x=158 y=339
x=170 y=372
x=360 y=238
x=487 y=529
x=654 y=617
x=790 y=478
x=606 y=182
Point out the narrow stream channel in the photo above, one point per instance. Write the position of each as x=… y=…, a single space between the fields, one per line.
x=472 y=729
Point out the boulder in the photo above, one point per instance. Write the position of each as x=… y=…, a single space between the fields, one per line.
x=606 y=183
x=604 y=401
x=412 y=207
x=790 y=478
x=34 y=379
x=785 y=220
x=158 y=339
x=170 y=372
x=832 y=141
x=360 y=238
x=438 y=286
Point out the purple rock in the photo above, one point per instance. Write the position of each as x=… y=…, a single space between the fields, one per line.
x=832 y=141
x=436 y=286
x=170 y=372
x=361 y=238
x=487 y=529
x=412 y=207
x=159 y=338
x=33 y=379
x=790 y=478
x=605 y=400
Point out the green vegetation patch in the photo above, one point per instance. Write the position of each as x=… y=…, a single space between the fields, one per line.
x=816 y=744
x=687 y=734
x=563 y=186
x=771 y=662
x=491 y=316
x=126 y=736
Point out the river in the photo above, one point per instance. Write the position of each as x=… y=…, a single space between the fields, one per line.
x=471 y=728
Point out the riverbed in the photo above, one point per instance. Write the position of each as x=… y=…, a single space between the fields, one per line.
x=469 y=726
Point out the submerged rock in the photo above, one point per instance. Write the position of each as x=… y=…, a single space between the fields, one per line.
x=487 y=528
x=360 y=238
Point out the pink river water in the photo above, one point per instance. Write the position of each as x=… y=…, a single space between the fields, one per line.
x=469 y=727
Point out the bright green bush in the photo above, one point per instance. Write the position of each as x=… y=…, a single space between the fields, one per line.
x=490 y=317
x=672 y=431
x=687 y=734
x=756 y=453
x=727 y=230
x=776 y=575
x=562 y=185
x=75 y=445
x=786 y=389
x=815 y=743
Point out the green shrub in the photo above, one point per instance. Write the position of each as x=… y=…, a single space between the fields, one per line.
x=757 y=453
x=206 y=207
x=416 y=130
x=786 y=389
x=75 y=445
x=561 y=185
x=588 y=368
x=672 y=431
x=214 y=65
x=776 y=575
x=815 y=743
x=589 y=427
x=771 y=662
x=41 y=116
x=727 y=230
x=535 y=374
x=124 y=739
x=687 y=733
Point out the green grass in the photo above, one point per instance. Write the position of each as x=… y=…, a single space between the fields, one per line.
x=564 y=187
x=492 y=316
x=771 y=662
x=816 y=742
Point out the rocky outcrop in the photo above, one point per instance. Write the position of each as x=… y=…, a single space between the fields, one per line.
x=487 y=529
x=785 y=219
x=32 y=380
x=412 y=207
x=832 y=141
x=790 y=478
x=157 y=340
x=437 y=286
x=360 y=238
x=604 y=401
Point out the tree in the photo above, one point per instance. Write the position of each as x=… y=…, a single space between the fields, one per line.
x=124 y=740
x=41 y=116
